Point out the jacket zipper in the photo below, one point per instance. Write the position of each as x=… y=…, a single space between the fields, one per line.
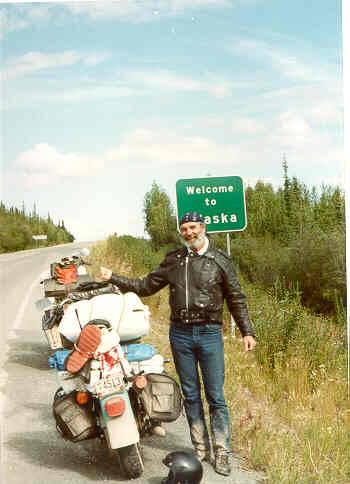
x=186 y=282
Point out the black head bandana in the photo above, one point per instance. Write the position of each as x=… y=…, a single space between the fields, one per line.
x=191 y=217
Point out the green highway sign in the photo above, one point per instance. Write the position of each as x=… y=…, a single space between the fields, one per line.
x=220 y=200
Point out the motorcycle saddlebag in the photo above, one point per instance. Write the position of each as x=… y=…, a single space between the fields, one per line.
x=162 y=398
x=73 y=421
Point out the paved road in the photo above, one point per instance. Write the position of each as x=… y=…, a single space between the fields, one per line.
x=31 y=449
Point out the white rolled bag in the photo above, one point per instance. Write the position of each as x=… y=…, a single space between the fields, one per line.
x=126 y=313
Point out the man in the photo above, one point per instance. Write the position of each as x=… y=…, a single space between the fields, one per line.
x=200 y=277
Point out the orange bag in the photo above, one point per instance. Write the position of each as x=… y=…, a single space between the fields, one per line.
x=66 y=275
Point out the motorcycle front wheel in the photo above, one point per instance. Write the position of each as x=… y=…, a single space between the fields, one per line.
x=131 y=460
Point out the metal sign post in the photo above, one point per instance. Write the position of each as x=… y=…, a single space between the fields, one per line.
x=233 y=324
x=220 y=201
x=39 y=237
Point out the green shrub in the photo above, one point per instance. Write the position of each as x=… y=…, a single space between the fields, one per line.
x=160 y=220
x=314 y=262
x=136 y=252
x=317 y=262
x=287 y=332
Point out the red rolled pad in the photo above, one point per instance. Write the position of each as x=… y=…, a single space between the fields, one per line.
x=88 y=342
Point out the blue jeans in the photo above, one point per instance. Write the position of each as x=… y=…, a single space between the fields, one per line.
x=202 y=345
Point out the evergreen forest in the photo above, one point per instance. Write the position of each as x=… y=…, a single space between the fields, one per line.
x=17 y=228
x=294 y=240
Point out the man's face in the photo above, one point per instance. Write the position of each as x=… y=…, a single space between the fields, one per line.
x=193 y=234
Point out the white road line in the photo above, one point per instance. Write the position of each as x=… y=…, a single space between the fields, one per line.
x=19 y=317
x=3 y=373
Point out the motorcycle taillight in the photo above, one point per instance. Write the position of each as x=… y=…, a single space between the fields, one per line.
x=140 y=382
x=115 y=406
x=82 y=398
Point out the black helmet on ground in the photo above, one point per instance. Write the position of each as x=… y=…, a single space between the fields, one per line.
x=184 y=468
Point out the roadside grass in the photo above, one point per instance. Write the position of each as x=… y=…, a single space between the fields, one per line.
x=289 y=410
x=290 y=415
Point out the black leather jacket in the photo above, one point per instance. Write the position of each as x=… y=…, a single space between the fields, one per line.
x=199 y=284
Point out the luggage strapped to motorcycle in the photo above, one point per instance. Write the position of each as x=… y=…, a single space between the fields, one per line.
x=162 y=398
x=88 y=290
x=73 y=421
x=51 y=319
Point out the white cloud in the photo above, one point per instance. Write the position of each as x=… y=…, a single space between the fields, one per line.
x=321 y=104
x=291 y=124
x=329 y=90
x=43 y=164
x=251 y=145
x=248 y=126
x=172 y=81
x=254 y=149
x=163 y=147
x=36 y=61
x=281 y=60
x=141 y=11
x=291 y=132
x=20 y=16
x=286 y=129
x=92 y=93
x=26 y=97
x=127 y=83
x=94 y=58
x=326 y=113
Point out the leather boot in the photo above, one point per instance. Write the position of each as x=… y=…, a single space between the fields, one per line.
x=222 y=464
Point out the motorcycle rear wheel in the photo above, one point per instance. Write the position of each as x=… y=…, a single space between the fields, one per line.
x=131 y=460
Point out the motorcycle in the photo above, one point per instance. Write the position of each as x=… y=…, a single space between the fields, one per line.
x=66 y=270
x=111 y=386
x=64 y=277
x=102 y=400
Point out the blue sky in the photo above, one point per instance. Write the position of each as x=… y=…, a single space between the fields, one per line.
x=100 y=99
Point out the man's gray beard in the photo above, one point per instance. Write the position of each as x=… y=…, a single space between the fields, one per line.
x=197 y=242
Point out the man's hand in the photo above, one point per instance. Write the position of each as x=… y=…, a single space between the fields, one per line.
x=105 y=274
x=249 y=343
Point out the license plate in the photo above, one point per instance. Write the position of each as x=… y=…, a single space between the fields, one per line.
x=109 y=384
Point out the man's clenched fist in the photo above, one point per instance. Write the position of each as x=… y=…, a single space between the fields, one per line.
x=105 y=274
